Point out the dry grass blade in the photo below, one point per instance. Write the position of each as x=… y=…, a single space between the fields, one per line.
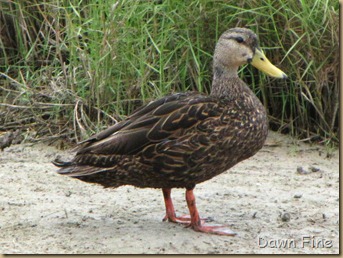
x=84 y=67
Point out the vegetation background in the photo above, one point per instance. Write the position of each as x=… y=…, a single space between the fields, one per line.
x=70 y=68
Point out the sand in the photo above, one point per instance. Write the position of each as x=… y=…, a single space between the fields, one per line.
x=285 y=199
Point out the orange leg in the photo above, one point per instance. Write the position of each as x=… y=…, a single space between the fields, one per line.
x=196 y=222
x=170 y=211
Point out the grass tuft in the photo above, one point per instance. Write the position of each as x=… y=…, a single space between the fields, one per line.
x=86 y=64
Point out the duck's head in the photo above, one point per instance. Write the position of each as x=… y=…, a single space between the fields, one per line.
x=239 y=46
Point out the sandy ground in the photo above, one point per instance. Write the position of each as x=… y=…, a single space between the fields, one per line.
x=272 y=207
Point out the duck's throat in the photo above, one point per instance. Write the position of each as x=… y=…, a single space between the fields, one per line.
x=226 y=83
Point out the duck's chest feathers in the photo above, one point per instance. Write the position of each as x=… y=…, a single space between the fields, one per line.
x=245 y=126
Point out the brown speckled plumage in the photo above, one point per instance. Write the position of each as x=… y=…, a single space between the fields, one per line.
x=182 y=139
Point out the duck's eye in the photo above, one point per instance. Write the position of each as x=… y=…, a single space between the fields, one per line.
x=239 y=39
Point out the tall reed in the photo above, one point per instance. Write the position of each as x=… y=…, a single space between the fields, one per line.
x=86 y=64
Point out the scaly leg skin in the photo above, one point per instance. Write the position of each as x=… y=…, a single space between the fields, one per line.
x=196 y=222
x=170 y=211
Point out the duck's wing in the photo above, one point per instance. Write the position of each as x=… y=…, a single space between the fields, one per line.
x=138 y=113
x=172 y=125
x=157 y=121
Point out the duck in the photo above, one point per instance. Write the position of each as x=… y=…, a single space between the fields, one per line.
x=183 y=139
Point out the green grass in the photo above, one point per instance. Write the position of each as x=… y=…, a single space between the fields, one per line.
x=83 y=65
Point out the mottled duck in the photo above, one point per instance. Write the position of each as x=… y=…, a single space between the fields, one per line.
x=186 y=138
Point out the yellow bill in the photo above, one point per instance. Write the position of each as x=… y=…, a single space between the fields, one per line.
x=261 y=62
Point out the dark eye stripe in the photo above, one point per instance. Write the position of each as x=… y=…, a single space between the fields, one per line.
x=239 y=39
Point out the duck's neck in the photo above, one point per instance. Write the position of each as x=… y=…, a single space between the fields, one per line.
x=226 y=82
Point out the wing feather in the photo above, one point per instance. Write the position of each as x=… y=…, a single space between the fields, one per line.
x=158 y=121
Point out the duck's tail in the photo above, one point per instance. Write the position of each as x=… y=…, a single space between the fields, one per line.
x=66 y=167
x=60 y=163
x=70 y=168
x=104 y=176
